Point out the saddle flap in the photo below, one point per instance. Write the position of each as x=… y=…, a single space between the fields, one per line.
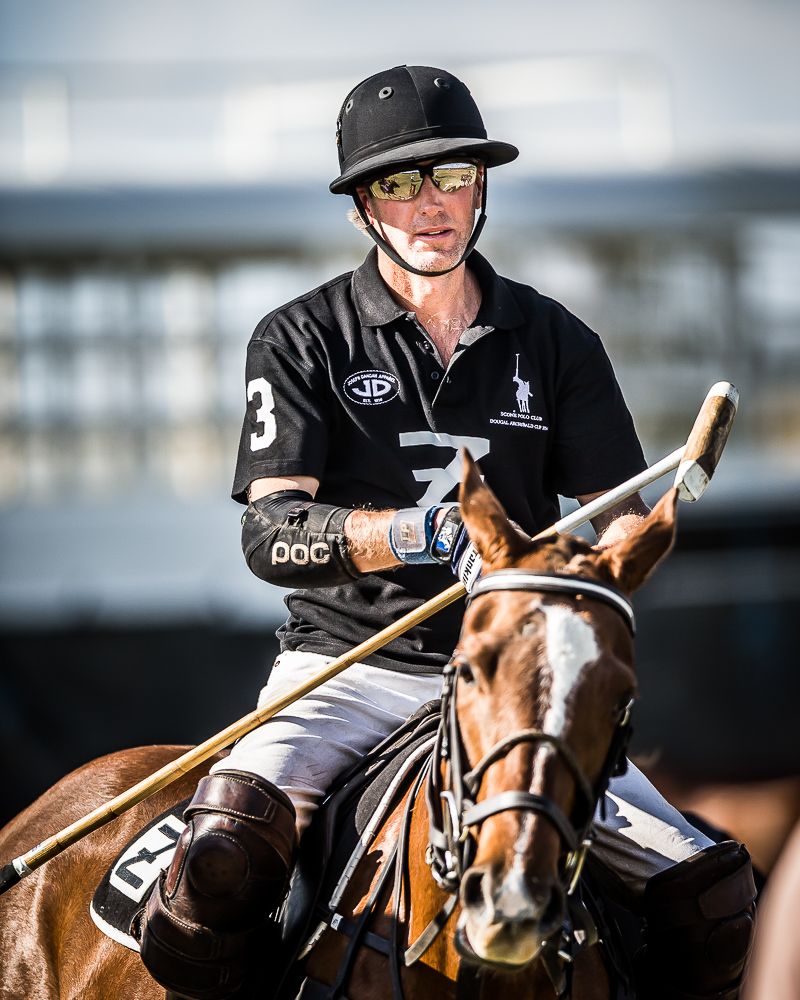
x=325 y=848
x=127 y=883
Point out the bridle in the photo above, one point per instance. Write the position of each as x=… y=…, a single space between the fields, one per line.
x=454 y=813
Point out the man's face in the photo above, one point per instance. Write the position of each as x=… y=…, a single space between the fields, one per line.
x=431 y=231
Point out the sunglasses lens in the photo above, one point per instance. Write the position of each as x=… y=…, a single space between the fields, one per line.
x=451 y=177
x=401 y=186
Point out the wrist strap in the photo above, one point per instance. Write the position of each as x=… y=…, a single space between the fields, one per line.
x=413 y=534
x=448 y=535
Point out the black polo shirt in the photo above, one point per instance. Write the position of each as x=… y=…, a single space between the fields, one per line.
x=343 y=384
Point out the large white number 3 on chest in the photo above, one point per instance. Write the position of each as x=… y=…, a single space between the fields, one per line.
x=264 y=414
x=442 y=481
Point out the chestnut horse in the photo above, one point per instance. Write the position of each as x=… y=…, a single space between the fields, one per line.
x=538 y=731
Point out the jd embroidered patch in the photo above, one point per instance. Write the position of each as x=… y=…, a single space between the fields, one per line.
x=371 y=388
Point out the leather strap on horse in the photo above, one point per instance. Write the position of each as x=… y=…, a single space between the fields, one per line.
x=556 y=583
x=415 y=951
x=472 y=779
x=401 y=881
x=337 y=988
x=507 y=801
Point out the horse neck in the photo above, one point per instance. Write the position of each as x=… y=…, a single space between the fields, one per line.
x=426 y=898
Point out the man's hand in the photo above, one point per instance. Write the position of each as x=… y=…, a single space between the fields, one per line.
x=614 y=524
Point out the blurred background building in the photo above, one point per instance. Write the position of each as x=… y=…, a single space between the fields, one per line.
x=163 y=184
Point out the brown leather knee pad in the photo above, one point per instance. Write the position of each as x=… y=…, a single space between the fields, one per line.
x=700 y=917
x=230 y=870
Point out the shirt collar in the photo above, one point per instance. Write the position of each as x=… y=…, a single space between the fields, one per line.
x=376 y=306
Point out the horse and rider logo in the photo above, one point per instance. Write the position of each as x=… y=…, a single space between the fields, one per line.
x=371 y=388
x=523 y=392
x=522 y=416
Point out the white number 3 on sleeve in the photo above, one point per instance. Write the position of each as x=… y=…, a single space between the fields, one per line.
x=264 y=414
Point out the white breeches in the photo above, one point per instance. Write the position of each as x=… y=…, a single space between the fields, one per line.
x=304 y=748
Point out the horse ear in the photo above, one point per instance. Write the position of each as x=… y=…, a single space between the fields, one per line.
x=495 y=538
x=631 y=560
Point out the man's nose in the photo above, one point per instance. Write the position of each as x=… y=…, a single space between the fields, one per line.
x=429 y=196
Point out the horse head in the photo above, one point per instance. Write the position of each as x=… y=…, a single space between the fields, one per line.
x=543 y=682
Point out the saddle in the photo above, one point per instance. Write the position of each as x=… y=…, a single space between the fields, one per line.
x=340 y=834
x=326 y=847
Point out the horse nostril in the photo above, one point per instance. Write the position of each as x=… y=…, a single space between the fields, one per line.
x=472 y=895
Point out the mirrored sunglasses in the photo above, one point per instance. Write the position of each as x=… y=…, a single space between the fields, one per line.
x=403 y=185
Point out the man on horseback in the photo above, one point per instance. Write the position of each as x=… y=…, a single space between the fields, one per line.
x=361 y=395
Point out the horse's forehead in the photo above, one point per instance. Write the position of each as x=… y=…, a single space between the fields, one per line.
x=566 y=643
x=567 y=555
x=496 y=619
x=570 y=646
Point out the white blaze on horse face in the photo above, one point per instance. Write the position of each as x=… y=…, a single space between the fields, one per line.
x=570 y=645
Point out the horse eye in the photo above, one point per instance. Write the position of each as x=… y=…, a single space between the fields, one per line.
x=465 y=672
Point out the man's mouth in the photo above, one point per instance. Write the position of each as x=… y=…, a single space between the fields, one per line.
x=433 y=233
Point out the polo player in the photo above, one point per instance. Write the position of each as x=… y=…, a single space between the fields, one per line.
x=360 y=395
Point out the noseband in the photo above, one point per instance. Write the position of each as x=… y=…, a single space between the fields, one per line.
x=453 y=810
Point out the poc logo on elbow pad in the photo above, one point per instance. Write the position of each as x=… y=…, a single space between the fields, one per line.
x=289 y=540
x=301 y=555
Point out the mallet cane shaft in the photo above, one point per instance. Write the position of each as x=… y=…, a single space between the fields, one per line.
x=702 y=451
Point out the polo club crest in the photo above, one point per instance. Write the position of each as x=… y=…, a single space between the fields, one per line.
x=371 y=388
x=523 y=392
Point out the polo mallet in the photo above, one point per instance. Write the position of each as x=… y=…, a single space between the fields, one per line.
x=695 y=463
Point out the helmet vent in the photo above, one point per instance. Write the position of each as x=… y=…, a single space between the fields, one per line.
x=385 y=92
x=441 y=83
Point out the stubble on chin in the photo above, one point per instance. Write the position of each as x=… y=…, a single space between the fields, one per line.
x=437 y=260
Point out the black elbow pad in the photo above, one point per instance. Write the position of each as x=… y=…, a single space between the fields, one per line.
x=290 y=540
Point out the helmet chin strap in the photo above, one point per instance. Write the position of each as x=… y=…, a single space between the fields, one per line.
x=392 y=254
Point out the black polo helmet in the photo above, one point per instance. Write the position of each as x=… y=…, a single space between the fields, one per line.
x=406 y=114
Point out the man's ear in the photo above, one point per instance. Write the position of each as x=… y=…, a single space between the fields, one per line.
x=363 y=197
x=497 y=541
x=632 y=559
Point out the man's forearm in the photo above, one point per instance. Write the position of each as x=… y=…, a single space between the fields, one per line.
x=367 y=535
x=381 y=540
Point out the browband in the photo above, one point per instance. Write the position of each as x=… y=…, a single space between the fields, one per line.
x=554 y=583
